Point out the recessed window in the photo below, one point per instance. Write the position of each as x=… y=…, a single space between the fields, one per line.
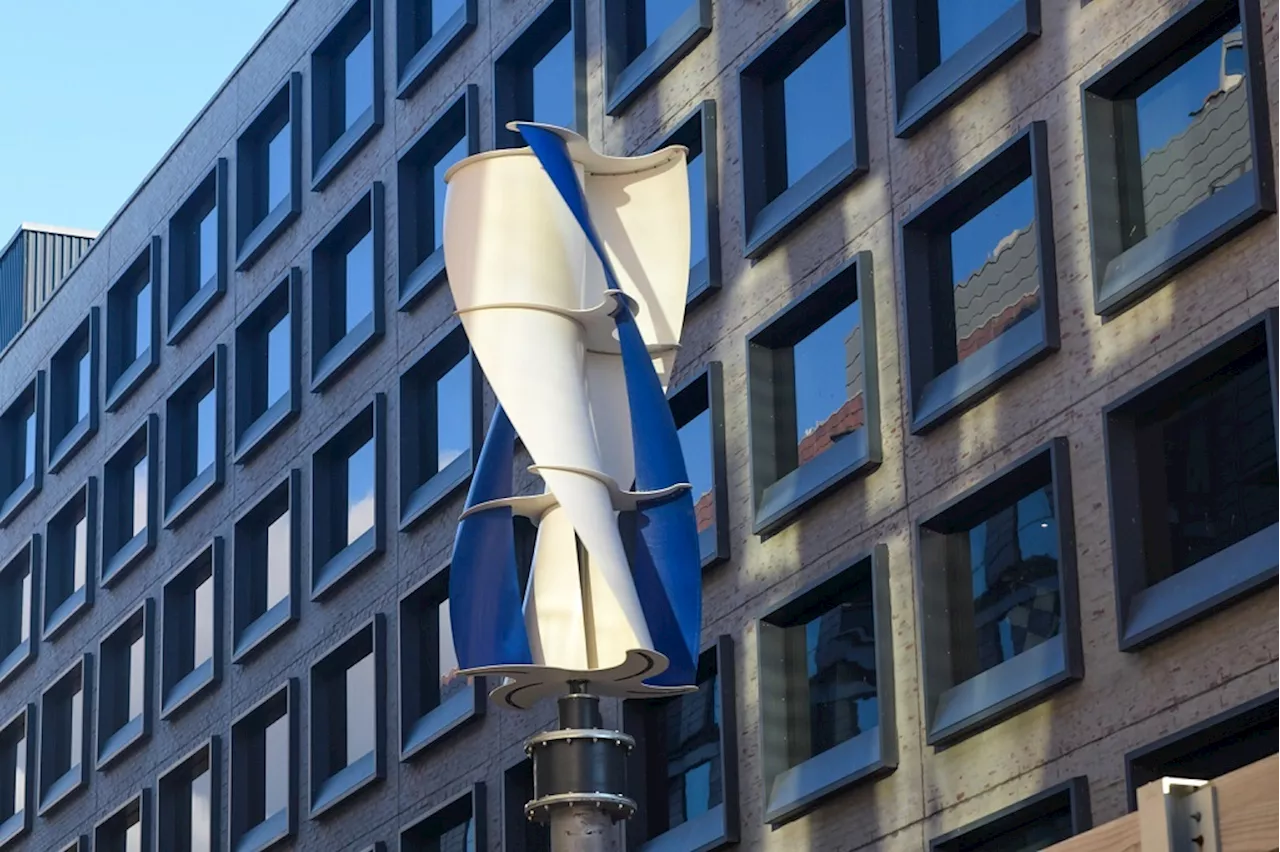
x=133 y=326
x=541 y=75
x=420 y=174
x=194 y=438
x=190 y=650
x=348 y=717
x=944 y=50
x=698 y=409
x=124 y=685
x=814 y=396
x=129 y=505
x=346 y=287
x=265 y=597
x=198 y=253
x=1192 y=477
x=804 y=123
x=17 y=608
x=346 y=90
x=684 y=766
x=981 y=280
x=434 y=698
x=73 y=392
x=698 y=134
x=188 y=805
x=1172 y=129
x=348 y=489
x=268 y=366
x=1039 y=822
x=17 y=748
x=428 y=32
x=452 y=825
x=644 y=39
x=64 y=732
x=826 y=688
x=269 y=173
x=264 y=772
x=519 y=833
x=21 y=449
x=69 y=559
x=997 y=568
x=128 y=829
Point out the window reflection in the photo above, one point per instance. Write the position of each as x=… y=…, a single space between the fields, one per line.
x=206 y=435
x=201 y=813
x=359 y=282
x=447 y=658
x=24 y=619
x=29 y=445
x=692 y=735
x=278 y=360
x=80 y=553
x=137 y=674
x=140 y=496
x=361 y=709
x=279 y=181
x=142 y=321
x=659 y=15
x=695 y=443
x=959 y=22
x=697 y=208
x=553 y=85
x=203 y=622
x=358 y=79
x=75 y=727
x=278 y=559
x=818 y=104
x=360 y=486
x=207 y=245
x=829 y=382
x=453 y=413
x=83 y=386
x=840 y=665
x=20 y=773
x=276 y=767
x=437 y=188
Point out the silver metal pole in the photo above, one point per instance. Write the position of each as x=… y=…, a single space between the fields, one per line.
x=580 y=828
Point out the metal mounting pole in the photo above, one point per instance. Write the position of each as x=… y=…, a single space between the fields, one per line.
x=579 y=776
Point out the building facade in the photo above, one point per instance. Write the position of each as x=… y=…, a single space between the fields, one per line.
x=977 y=391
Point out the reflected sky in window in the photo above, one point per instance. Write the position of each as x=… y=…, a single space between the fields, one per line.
x=659 y=15
x=140 y=496
x=80 y=554
x=207 y=240
x=19 y=774
x=446 y=656
x=553 y=85
x=83 y=386
x=361 y=709
x=697 y=209
x=695 y=442
x=359 y=282
x=357 y=79
x=822 y=376
x=360 y=492
x=278 y=360
x=203 y=623
x=142 y=321
x=29 y=445
x=76 y=748
x=441 y=11
x=454 y=154
x=453 y=413
x=276 y=767
x=817 y=103
x=960 y=20
x=24 y=620
x=841 y=668
x=201 y=811
x=137 y=674
x=278 y=546
x=1168 y=108
x=206 y=436
x=278 y=178
x=692 y=724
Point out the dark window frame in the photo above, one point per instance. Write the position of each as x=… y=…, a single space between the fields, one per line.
x=251 y=342
x=1032 y=676
x=254 y=238
x=704 y=391
x=766 y=221
x=939 y=395
x=626 y=77
x=1073 y=793
x=180 y=690
x=63 y=443
x=332 y=148
x=421 y=154
x=276 y=827
x=865 y=758
x=187 y=306
x=444 y=816
x=919 y=97
x=778 y=502
x=53 y=792
x=19 y=822
x=25 y=557
x=344 y=562
x=56 y=619
x=178 y=773
x=22 y=492
x=1146 y=613
x=120 y=554
x=332 y=357
x=110 y=747
x=1122 y=276
x=415 y=64
x=183 y=499
x=250 y=637
x=139 y=802
x=122 y=379
x=517 y=791
x=513 y=67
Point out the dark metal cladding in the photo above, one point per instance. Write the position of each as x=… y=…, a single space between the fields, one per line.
x=32 y=267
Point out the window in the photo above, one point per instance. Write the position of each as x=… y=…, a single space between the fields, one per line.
x=440 y=426
x=804 y=123
x=124 y=685
x=198 y=253
x=644 y=39
x=346 y=90
x=190 y=646
x=16 y=779
x=129 y=506
x=1045 y=819
x=519 y=833
x=128 y=829
x=17 y=609
x=348 y=488
x=194 y=438
x=434 y=698
x=997 y=580
x=21 y=449
x=420 y=174
x=814 y=395
x=826 y=688
x=1209 y=749
x=698 y=133
x=268 y=366
x=348 y=717
x=1178 y=150
x=698 y=409
x=457 y=824
x=188 y=804
x=979 y=267
x=73 y=392
x=428 y=32
x=541 y=75
x=944 y=50
x=64 y=735
x=264 y=772
x=269 y=173
x=684 y=767
x=133 y=326
x=265 y=574
x=68 y=560
x=1192 y=479
x=346 y=287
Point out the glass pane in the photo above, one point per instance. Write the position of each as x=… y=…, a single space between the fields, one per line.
x=142 y=319
x=361 y=709
x=278 y=168
x=442 y=11
x=358 y=79
x=204 y=623
x=133 y=837
x=24 y=626
x=278 y=361
x=553 y=85
x=960 y=20
x=695 y=444
x=660 y=14
x=77 y=729
x=456 y=153
x=80 y=554
x=83 y=387
x=693 y=753
x=201 y=811
x=276 y=768
x=840 y=662
x=1044 y=832
x=1013 y=558
x=829 y=381
x=359 y=282
x=206 y=436
x=278 y=543
x=208 y=247
x=29 y=445
x=140 y=496
x=137 y=675
x=447 y=661
x=697 y=209
x=993 y=267
x=20 y=774
x=360 y=492
x=453 y=413
x=818 y=101
x=457 y=838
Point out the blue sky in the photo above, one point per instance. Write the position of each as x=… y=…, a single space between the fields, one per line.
x=94 y=93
